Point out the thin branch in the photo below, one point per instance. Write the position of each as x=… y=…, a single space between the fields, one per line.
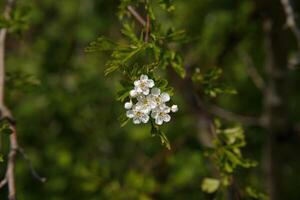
x=32 y=170
x=147 y=29
x=136 y=15
x=5 y=114
x=252 y=71
x=291 y=23
x=231 y=116
x=10 y=171
x=3 y=182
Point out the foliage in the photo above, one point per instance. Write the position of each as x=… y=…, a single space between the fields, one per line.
x=226 y=153
x=68 y=122
x=142 y=55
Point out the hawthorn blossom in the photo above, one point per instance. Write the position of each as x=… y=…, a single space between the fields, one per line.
x=137 y=115
x=160 y=114
x=145 y=103
x=148 y=101
x=158 y=98
x=142 y=86
x=174 y=108
x=128 y=105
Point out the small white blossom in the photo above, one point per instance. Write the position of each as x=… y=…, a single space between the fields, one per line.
x=143 y=85
x=133 y=93
x=145 y=103
x=160 y=114
x=158 y=98
x=174 y=108
x=128 y=105
x=137 y=115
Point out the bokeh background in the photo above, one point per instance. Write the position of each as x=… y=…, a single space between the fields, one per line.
x=67 y=113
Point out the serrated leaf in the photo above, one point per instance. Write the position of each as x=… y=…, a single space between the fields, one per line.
x=123 y=119
x=123 y=94
x=167 y=5
x=163 y=138
x=101 y=44
x=128 y=31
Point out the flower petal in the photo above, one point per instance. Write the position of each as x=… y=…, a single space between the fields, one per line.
x=145 y=118
x=136 y=120
x=155 y=91
x=165 y=97
x=159 y=121
x=150 y=83
x=130 y=114
x=144 y=77
x=128 y=105
x=138 y=89
x=133 y=93
x=154 y=114
x=137 y=83
x=174 y=108
x=146 y=91
x=166 y=109
x=166 y=118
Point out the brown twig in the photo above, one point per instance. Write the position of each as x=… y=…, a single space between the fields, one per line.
x=5 y=114
x=147 y=29
x=3 y=182
x=252 y=71
x=32 y=170
x=136 y=15
x=231 y=116
x=291 y=23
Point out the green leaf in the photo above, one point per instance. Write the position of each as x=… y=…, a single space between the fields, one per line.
x=255 y=194
x=123 y=94
x=128 y=31
x=155 y=131
x=5 y=128
x=101 y=44
x=210 y=185
x=175 y=35
x=167 y=5
x=123 y=119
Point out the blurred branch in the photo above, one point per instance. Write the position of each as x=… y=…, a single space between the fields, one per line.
x=141 y=20
x=231 y=116
x=252 y=71
x=3 y=182
x=147 y=29
x=32 y=170
x=136 y=15
x=291 y=23
x=9 y=178
x=5 y=113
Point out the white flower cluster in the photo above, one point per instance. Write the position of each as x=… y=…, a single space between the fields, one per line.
x=149 y=102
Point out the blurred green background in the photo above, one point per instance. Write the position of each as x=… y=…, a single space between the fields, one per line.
x=67 y=115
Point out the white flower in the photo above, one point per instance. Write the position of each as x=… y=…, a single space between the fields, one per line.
x=160 y=114
x=133 y=93
x=142 y=86
x=174 y=108
x=145 y=103
x=128 y=105
x=137 y=115
x=158 y=98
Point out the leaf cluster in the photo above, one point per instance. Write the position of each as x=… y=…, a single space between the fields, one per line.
x=210 y=82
